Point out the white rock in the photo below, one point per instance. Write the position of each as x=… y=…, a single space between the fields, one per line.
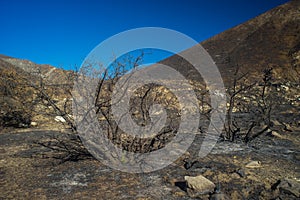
x=200 y=184
x=254 y=164
x=60 y=119
x=286 y=88
x=33 y=123
x=102 y=118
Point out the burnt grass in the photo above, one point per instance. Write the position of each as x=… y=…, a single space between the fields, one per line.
x=31 y=171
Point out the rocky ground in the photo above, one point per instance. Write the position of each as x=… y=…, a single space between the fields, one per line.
x=265 y=168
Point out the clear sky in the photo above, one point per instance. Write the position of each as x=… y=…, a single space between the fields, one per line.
x=63 y=32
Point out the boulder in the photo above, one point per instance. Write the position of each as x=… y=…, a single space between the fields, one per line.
x=199 y=185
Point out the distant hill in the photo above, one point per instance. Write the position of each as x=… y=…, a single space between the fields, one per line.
x=50 y=74
x=269 y=40
x=17 y=98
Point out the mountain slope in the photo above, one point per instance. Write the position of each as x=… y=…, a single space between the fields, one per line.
x=50 y=74
x=21 y=84
x=269 y=40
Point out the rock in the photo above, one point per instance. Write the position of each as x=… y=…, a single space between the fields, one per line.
x=60 y=119
x=33 y=123
x=284 y=87
x=102 y=118
x=235 y=176
x=290 y=186
x=241 y=173
x=180 y=194
x=199 y=185
x=254 y=164
x=70 y=116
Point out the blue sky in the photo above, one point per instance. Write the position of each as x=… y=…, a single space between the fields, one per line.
x=63 y=32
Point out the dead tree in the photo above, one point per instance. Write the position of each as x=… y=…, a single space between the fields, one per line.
x=266 y=98
x=239 y=86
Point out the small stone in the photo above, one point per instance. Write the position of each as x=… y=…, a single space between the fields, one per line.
x=60 y=119
x=199 y=185
x=70 y=116
x=102 y=118
x=33 y=123
x=254 y=164
x=241 y=173
x=180 y=194
x=235 y=175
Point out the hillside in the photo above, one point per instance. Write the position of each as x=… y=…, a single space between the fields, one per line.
x=269 y=40
x=21 y=84
x=50 y=74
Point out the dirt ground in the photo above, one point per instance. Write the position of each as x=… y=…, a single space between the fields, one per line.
x=28 y=171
